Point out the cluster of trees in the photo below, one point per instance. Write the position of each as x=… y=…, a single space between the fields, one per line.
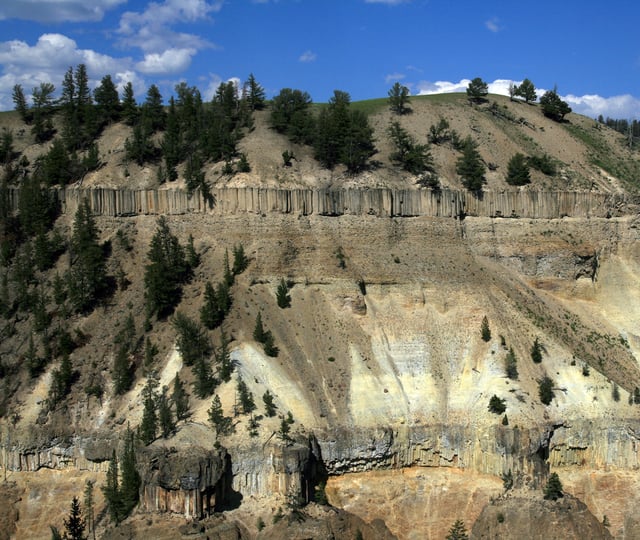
x=629 y=128
x=162 y=411
x=338 y=134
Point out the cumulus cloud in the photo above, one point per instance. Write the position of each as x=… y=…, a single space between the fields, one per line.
x=47 y=61
x=167 y=62
x=150 y=30
x=308 y=56
x=48 y=11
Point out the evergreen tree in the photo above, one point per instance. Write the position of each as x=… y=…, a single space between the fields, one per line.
x=112 y=493
x=457 y=531
x=140 y=147
x=192 y=340
x=210 y=314
x=536 y=351
x=240 y=261
x=20 y=103
x=485 y=331
x=149 y=425
x=180 y=398
x=553 y=106
x=269 y=405
x=107 y=101
x=165 y=273
x=153 y=110
x=269 y=346
x=511 y=365
x=358 y=144
x=193 y=173
x=470 y=166
x=130 y=111
x=221 y=423
x=526 y=90
x=165 y=415
x=254 y=94
x=130 y=486
x=545 y=390
x=88 y=277
x=42 y=109
x=171 y=143
x=553 y=488
x=412 y=157
x=477 y=90
x=122 y=373
x=89 y=509
x=518 y=170
x=223 y=358
x=204 y=383
x=245 y=396
x=75 y=524
x=282 y=295
x=290 y=114
x=497 y=405
x=37 y=210
x=398 y=99
x=259 y=331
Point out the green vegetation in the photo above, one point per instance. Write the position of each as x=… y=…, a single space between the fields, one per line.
x=477 y=90
x=282 y=295
x=457 y=531
x=553 y=106
x=518 y=170
x=408 y=154
x=536 y=351
x=485 y=331
x=553 y=488
x=470 y=166
x=511 y=365
x=497 y=405
x=545 y=389
x=399 y=99
x=123 y=482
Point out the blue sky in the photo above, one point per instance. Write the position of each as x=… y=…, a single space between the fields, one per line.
x=588 y=48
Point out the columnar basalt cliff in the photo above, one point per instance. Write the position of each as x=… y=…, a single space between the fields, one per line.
x=338 y=202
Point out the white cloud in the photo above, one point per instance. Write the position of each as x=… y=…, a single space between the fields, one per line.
x=308 y=56
x=493 y=24
x=47 y=61
x=394 y=77
x=167 y=62
x=441 y=87
x=47 y=11
x=150 y=30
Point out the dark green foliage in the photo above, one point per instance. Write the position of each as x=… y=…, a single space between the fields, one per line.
x=615 y=392
x=636 y=395
x=269 y=405
x=477 y=90
x=153 y=110
x=56 y=167
x=399 y=99
x=192 y=256
x=165 y=415
x=42 y=110
x=37 y=210
x=254 y=94
x=536 y=351
x=112 y=492
x=88 y=504
x=166 y=272
x=485 y=331
x=543 y=163
x=240 y=261
x=457 y=531
x=180 y=399
x=130 y=111
x=526 y=90
x=6 y=147
x=171 y=143
x=285 y=430
x=245 y=397
x=122 y=496
x=140 y=147
x=505 y=420
x=358 y=143
x=194 y=175
x=258 y=330
x=107 y=101
x=511 y=365
x=20 y=102
x=553 y=488
x=223 y=358
x=470 y=166
x=79 y=123
x=545 y=390
x=149 y=425
x=243 y=164
x=441 y=133
x=192 y=340
x=412 y=157
x=269 y=346
x=518 y=170
x=290 y=115
x=265 y=337
x=221 y=423
x=75 y=524
x=553 y=106
x=497 y=405
x=88 y=278
x=507 y=480
x=287 y=157
x=122 y=371
x=61 y=380
x=210 y=313
x=204 y=383
x=282 y=295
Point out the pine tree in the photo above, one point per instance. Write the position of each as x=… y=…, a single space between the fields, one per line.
x=42 y=97
x=282 y=295
x=153 y=110
x=20 y=103
x=536 y=351
x=130 y=111
x=223 y=358
x=485 y=331
x=518 y=170
x=457 y=531
x=89 y=509
x=258 y=331
x=204 y=383
x=75 y=524
x=149 y=425
x=553 y=488
x=399 y=99
x=527 y=90
x=112 y=493
x=470 y=166
x=477 y=90
x=130 y=485
x=221 y=423
x=511 y=365
x=171 y=142
x=269 y=405
x=107 y=101
x=246 y=397
x=192 y=340
x=254 y=94
x=180 y=399
x=240 y=261
x=165 y=415
x=122 y=373
x=545 y=390
x=210 y=314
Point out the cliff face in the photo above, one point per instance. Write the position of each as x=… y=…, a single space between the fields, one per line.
x=383 y=368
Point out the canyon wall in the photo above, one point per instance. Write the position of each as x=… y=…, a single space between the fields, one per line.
x=337 y=202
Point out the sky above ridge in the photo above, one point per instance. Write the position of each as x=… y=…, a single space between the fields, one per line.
x=589 y=49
